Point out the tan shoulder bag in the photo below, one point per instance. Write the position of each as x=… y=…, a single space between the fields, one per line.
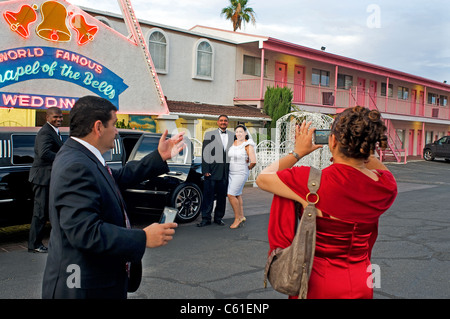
x=288 y=269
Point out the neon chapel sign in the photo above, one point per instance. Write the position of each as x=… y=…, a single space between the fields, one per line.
x=53 y=22
x=30 y=63
x=36 y=101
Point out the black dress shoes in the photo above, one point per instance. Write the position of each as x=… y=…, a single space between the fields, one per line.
x=204 y=223
x=40 y=249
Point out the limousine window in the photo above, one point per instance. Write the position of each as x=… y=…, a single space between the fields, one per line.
x=114 y=154
x=22 y=149
x=150 y=144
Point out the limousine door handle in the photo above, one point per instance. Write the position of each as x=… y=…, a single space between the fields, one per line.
x=174 y=173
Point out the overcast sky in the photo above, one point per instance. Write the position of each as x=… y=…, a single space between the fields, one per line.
x=412 y=36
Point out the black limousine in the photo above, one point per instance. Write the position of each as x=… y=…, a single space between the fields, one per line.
x=181 y=187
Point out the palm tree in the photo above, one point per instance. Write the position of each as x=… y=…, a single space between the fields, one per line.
x=237 y=12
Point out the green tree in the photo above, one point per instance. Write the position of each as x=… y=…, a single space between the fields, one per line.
x=237 y=12
x=277 y=103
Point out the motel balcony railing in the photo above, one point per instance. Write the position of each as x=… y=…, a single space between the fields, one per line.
x=316 y=95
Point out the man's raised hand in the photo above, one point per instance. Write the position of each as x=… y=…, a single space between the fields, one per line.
x=169 y=148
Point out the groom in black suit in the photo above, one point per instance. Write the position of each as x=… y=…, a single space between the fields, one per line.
x=215 y=168
x=47 y=144
x=91 y=244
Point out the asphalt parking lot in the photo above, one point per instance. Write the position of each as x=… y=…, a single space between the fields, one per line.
x=214 y=262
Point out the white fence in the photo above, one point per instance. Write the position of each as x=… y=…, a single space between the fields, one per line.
x=269 y=151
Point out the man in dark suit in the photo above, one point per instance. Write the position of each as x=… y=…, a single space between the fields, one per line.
x=215 y=168
x=91 y=244
x=47 y=144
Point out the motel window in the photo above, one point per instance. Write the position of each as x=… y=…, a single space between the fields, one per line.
x=158 y=50
x=344 y=81
x=443 y=100
x=252 y=66
x=432 y=98
x=204 y=60
x=320 y=77
x=401 y=135
x=402 y=93
x=390 y=92
x=429 y=137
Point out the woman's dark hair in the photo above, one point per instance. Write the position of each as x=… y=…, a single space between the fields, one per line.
x=86 y=111
x=359 y=130
x=245 y=130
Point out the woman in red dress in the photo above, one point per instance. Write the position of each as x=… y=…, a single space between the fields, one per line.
x=354 y=191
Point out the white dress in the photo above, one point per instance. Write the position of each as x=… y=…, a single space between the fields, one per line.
x=238 y=168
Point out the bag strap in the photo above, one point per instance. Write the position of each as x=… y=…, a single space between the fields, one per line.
x=313 y=186
x=305 y=238
x=314 y=179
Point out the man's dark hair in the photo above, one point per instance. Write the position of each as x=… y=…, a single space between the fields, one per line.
x=53 y=110
x=222 y=115
x=86 y=111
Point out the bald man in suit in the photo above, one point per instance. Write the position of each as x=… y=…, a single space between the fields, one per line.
x=47 y=144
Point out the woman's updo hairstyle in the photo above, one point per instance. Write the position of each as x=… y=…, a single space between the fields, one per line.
x=358 y=131
x=245 y=130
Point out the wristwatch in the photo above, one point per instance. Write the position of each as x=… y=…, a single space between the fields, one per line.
x=298 y=157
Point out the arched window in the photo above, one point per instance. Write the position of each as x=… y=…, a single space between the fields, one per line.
x=158 y=48
x=204 y=67
x=104 y=20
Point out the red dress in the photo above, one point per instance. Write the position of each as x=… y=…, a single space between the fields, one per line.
x=343 y=247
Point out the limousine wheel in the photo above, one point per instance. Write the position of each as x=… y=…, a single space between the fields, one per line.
x=187 y=198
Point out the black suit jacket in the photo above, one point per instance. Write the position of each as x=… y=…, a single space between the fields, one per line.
x=89 y=235
x=46 y=146
x=215 y=159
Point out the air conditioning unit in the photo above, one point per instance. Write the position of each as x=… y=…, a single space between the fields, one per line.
x=435 y=112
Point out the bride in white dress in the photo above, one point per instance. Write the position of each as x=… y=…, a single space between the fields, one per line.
x=242 y=159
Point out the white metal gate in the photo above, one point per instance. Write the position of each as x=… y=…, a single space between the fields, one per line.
x=269 y=151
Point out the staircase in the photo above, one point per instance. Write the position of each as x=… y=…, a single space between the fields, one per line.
x=395 y=151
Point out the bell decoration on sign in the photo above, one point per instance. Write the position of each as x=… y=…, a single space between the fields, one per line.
x=85 y=32
x=19 y=22
x=53 y=26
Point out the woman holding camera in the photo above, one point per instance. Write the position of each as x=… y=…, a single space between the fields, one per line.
x=354 y=191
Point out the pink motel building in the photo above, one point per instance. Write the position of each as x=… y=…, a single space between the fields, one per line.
x=415 y=109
